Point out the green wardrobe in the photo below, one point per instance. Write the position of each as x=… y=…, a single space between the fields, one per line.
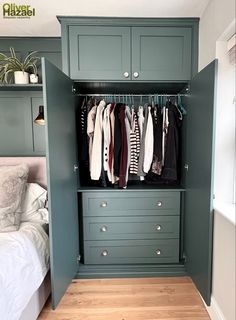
x=140 y=231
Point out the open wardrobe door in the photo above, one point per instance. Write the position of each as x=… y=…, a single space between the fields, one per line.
x=60 y=128
x=198 y=229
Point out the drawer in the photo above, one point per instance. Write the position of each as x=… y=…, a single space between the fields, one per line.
x=131 y=251
x=131 y=203
x=147 y=227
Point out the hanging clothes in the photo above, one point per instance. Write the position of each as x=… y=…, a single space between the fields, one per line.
x=121 y=141
x=111 y=176
x=170 y=170
x=128 y=131
x=134 y=143
x=124 y=149
x=90 y=129
x=117 y=140
x=106 y=136
x=142 y=121
x=96 y=163
x=157 y=134
x=148 y=144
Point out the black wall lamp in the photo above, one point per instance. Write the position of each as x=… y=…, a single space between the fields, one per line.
x=40 y=118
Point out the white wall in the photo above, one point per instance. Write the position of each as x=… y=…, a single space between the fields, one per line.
x=44 y=23
x=217 y=16
x=225 y=127
x=223 y=290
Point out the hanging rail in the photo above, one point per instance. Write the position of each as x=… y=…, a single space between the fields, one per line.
x=130 y=95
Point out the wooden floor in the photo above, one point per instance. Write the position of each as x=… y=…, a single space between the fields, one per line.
x=129 y=299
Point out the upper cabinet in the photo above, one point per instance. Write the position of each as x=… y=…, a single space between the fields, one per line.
x=115 y=49
x=161 y=53
x=99 y=52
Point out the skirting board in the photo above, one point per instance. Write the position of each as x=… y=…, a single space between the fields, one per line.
x=129 y=271
x=214 y=310
x=37 y=301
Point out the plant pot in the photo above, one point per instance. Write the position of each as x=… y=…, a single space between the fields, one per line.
x=21 y=77
x=34 y=78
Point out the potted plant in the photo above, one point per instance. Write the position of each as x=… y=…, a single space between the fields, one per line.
x=13 y=68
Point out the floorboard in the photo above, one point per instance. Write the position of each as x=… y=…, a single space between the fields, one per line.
x=129 y=299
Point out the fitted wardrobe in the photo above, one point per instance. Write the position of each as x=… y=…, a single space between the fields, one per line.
x=144 y=229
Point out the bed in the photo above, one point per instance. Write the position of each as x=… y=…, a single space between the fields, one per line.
x=24 y=253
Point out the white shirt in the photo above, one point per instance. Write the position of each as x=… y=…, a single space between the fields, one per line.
x=149 y=141
x=96 y=163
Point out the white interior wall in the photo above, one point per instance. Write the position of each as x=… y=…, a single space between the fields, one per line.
x=223 y=287
x=45 y=22
x=217 y=16
x=225 y=127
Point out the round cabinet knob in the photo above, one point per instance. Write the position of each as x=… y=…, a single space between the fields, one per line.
x=126 y=74
x=104 y=253
x=158 y=252
x=103 y=204
x=103 y=229
x=158 y=227
x=159 y=203
x=136 y=74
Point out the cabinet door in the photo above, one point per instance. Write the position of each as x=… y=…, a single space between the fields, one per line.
x=99 y=53
x=62 y=187
x=161 y=53
x=199 y=179
x=15 y=125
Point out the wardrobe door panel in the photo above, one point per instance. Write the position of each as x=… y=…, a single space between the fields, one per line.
x=62 y=181
x=15 y=125
x=199 y=179
x=161 y=53
x=99 y=53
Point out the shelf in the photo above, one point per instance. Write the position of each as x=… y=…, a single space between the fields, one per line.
x=21 y=87
x=130 y=87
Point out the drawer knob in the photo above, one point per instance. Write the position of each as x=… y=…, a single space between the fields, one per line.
x=159 y=203
x=103 y=204
x=136 y=74
x=126 y=74
x=104 y=253
x=158 y=252
x=158 y=227
x=103 y=229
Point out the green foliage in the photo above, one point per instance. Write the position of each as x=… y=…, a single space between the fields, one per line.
x=8 y=65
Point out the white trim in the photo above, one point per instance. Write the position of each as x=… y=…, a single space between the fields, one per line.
x=214 y=310
x=227 y=210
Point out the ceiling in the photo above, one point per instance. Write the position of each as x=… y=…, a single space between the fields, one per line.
x=44 y=23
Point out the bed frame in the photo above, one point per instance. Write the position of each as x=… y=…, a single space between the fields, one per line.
x=37 y=173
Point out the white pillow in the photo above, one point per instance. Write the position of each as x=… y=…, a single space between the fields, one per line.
x=12 y=186
x=33 y=205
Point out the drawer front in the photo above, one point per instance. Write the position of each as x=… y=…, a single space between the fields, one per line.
x=131 y=203
x=148 y=227
x=131 y=251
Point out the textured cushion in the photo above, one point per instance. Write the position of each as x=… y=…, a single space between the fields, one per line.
x=33 y=204
x=12 y=187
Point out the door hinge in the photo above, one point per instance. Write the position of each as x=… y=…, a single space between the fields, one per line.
x=78 y=259
x=186 y=166
x=184 y=258
x=76 y=167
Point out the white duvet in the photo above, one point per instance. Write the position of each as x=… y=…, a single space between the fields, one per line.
x=24 y=262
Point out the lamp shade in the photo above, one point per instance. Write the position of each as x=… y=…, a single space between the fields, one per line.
x=40 y=118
